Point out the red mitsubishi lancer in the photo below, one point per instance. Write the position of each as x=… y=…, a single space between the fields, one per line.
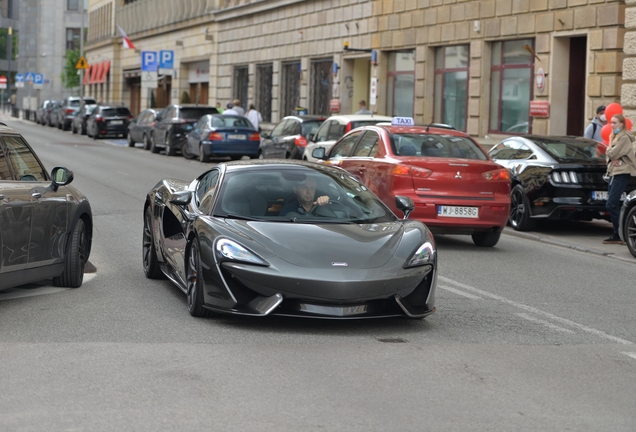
x=456 y=187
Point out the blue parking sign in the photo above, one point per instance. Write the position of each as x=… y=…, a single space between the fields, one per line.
x=166 y=59
x=149 y=61
x=39 y=79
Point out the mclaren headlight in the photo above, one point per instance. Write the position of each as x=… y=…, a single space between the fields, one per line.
x=228 y=250
x=424 y=255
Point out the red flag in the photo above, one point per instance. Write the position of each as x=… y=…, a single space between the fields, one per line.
x=127 y=42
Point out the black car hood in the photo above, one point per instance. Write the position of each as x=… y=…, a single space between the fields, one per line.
x=325 y=246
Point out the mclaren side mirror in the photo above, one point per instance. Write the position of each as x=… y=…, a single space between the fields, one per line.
x=181 y=198
x=405 y=205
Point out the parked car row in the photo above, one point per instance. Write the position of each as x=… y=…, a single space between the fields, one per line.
x=60 y=114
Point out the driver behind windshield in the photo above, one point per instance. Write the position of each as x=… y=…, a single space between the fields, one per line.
x=305 y=200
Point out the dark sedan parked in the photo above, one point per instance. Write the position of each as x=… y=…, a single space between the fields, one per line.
x=139 y=128
x=220 y=135
x=223 y=239
x=627 y=228
x=46 y=225
x=108 y=120
x=554 y=177
x=173 y=124
x=78 y=125
x=288 y=139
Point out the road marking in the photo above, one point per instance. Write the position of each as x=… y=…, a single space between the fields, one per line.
x=630 y=354
x=536 y=311
x=545 y=323
x=32 y=291
x=461 y=293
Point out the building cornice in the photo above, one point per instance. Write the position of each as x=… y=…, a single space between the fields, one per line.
x=254 y=7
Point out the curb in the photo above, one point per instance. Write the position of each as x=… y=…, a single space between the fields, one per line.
x=553 y=242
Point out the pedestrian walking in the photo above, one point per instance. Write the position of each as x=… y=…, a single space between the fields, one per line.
x=229 y=110
x=237 y=107
x=219 y=109
x=362 y=108
x=593 y=130
x=621 y=165
x=255 y=117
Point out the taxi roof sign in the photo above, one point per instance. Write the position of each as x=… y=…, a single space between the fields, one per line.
x=82 y=63
x=402 y=121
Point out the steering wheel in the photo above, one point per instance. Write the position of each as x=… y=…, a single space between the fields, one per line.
x=315 y=208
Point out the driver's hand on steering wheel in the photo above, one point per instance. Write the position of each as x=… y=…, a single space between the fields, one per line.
x=320 y=201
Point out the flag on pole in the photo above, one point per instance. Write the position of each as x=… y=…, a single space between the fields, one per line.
x=127 y=42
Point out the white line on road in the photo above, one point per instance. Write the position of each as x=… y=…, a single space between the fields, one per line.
x=461 y=293
x=527 y=308
x=630 y=354
x=545 y=323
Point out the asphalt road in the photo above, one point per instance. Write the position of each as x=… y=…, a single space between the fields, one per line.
x=527 y=336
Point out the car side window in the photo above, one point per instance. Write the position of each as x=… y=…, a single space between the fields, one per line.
x=344 y=147
x=24 y=164
x=336 y=131
x=291 y=128
x=5 y=173
x=278 y=130
x=296 y=129
x=368 y=141
x=511 y=150
x=321 y=135
x=205 y=191
x=203 y=121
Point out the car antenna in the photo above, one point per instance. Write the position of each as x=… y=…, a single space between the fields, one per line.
x=429 y=125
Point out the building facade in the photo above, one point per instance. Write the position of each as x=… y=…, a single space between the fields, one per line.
x=488 y=67
x=9 y=37
x=48 y=29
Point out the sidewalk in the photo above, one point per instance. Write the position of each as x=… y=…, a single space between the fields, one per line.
x=582 y=236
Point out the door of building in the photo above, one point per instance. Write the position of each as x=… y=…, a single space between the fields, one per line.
x=576 y=92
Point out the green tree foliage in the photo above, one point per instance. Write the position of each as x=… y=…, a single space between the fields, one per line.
x=70 y=76
x=4 y=45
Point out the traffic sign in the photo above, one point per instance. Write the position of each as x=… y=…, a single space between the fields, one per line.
x=149 y=61
x=3 y=82
x=29 y=77
x=82 y=63
x=19 y=80
x=166 y=62
x=38 y=81
x=149 y=80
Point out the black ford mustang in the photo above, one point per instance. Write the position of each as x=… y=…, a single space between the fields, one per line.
x=223 y=240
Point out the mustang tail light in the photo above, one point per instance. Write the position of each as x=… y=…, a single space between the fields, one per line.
x=499 y=174
x=215 y=136
x=564 y=177
x=254 y=137
x=408 y=170
x=300 y=141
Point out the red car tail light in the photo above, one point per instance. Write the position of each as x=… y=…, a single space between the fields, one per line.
x=99 y=118
x=499 y=174
x=407 y=170
x=300 y=141
x=254 y=137
x=215 y=136
x=69 y=110
x=348 y=127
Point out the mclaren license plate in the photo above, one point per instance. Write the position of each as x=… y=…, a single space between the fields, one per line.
x=458 y=212
x=237 y=137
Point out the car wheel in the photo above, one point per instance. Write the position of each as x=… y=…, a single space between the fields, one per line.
x=83 y=130
x=153 y=146
x=202 y=156
x=95 y=134
x=629 y=232
x=185 y=152
x=146 y=142
x=170 y=151
x=520 y=210
x=131 y=143
x=150 y=261
x=487 y=239
x=195 y=283
x=76 y=257
x=287 y=155
x=73 y=130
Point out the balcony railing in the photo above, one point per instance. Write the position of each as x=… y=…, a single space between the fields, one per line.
x=144 y=15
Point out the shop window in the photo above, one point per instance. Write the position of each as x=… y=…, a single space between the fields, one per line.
x=451 y=85
x=321 y=73
x=401 y=83
x=511 y=86
x=263 y=91
x=290 y=88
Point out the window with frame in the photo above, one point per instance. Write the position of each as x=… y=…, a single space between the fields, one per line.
x=401 y=83
x=451 y=85
x=511 y=86
x=5 y=173
x=344 y=147
x=23 y=162
x=73 y=38
x=511 y=150
x=205 y=191
x=368 y=145
x=72 y=5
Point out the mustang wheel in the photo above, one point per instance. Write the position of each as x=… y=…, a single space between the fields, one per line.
x=202 y=156
x=195 y=283
x=151 y=264
x=520 y=210
x=487 y=239
x=131 y=143
x=629 y=233
x=76 y=257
